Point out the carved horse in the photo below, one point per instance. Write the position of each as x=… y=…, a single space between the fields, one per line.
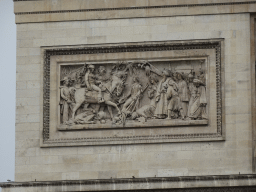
x=113 y=88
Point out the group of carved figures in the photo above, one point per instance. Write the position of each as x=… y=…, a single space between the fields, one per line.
x=172 y=95
x=181 y=96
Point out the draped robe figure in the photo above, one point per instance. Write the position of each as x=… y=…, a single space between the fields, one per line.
x=161 y=111
x=184 y=96
x=198 y=102
x=65 y=101
x=132 y=104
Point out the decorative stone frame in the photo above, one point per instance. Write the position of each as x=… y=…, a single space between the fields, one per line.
x=213 y=44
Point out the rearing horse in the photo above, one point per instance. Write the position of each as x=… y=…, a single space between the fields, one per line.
x=112 y=88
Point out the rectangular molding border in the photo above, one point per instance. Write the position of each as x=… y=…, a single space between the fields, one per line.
x=215 y=44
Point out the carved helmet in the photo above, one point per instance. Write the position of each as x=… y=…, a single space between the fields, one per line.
x=66 y=79
x=91 y=67
x=190 y=75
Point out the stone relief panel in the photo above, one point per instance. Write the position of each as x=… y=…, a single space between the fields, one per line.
x=132 y=93
x=148 y=92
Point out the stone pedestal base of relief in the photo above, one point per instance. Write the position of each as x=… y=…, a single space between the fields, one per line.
x=132 y=124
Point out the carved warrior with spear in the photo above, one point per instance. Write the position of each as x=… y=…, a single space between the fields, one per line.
x=132 y=104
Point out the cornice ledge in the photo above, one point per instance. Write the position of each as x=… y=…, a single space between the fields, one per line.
x=128 y=181
x=130 y=8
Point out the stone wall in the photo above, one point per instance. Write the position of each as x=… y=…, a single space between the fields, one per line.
x=62 y=10
x=232 y=156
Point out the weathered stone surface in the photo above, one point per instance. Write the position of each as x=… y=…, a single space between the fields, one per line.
x=85 y=103
x=45 y=11
x=62 y=64
x=156 y=159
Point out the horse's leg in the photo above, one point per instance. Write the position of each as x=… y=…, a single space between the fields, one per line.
x=114 y=105
x=86 y=106
x=110 y=112
x=75 y=109
x=97 y=108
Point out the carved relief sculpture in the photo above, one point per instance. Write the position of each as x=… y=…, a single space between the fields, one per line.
x=174 y=105
x=198 y=102
x=183 y=94
x=65 y=100
x=132 y=94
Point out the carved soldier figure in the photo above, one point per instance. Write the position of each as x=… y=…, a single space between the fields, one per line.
x=65 y=100
x=198 y=102
x=102 y=74
x=148 y=111
x=153 y=87
x=190 y=81
x=174 y=105
x=201 y=76
x=90 y=81
x=191 y=87
x=183 y=94
x=134 y=96
x=161 y=111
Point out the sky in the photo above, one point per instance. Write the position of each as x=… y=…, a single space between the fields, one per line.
x=7 y=87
